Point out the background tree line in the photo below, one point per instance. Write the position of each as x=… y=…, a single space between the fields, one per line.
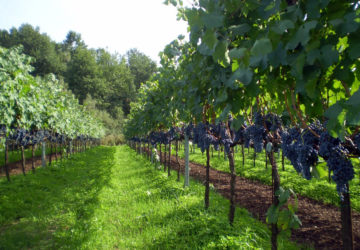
x=106 y=83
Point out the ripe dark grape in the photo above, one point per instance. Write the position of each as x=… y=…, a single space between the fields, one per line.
x=335 y=155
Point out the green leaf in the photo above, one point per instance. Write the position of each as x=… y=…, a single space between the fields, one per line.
x=210 y=38
x=278 y=56
x=353 y=112
x=313 y=9
x=298 y=66
x=240 y=30
x=261 y=47
x=237 y=53
x=302 y=35
x=244 y=75
x=284 y=219
x=283 y=26
x=212 y=20
x=237 y=122
x=221 y=53
x=295 y=222
x=222 y=96
x=272 y=214
x=336 y=120
x=224 y=114
x=312 y=56
x=344 y=74
x=283 y=195
x=205 y=50
x=329 y=55
x=354 y=47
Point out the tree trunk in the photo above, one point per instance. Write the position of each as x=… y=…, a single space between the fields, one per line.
x=232 y=186
x=207 y=179
x=23 y=160
x=346 y=222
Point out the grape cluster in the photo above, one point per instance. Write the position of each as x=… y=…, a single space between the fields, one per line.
x=301 y=148
x=335 y=155
x=20 y=137
x=239 y=135
x=225 y=138
x=189 y=129
x=257 y=135
x=273 y=122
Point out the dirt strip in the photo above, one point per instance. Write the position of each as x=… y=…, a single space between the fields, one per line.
x=321 y=223
x=16 y=168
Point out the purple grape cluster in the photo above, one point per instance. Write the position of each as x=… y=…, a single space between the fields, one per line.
x=300 y=147
x=335 y=155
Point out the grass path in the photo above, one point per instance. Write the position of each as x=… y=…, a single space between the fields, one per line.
x=111 y=198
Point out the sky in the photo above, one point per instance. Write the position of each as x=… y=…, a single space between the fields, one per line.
x=116 y=25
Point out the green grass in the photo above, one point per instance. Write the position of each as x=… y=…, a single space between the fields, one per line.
x=111 y=198
x=317 y=189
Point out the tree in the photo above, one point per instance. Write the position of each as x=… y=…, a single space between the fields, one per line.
x=119 y=87
x=141 y=66
x=39 y=46
x=82 y=73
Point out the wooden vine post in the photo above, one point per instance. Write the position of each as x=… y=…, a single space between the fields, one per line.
x=23 y=160
x=346 y=221
x=6 y=166
x=207 y=177
x=169 y=162
x=186 y=149
x=275 y=201
x=33 y=158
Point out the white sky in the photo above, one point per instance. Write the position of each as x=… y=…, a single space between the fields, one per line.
x=117 y=25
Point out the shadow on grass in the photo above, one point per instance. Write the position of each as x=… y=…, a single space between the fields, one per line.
x=53 y=208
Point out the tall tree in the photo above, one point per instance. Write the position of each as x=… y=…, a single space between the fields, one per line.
x=141 y=66
x=120 y=88
x=37 y=45
x=82 y=73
